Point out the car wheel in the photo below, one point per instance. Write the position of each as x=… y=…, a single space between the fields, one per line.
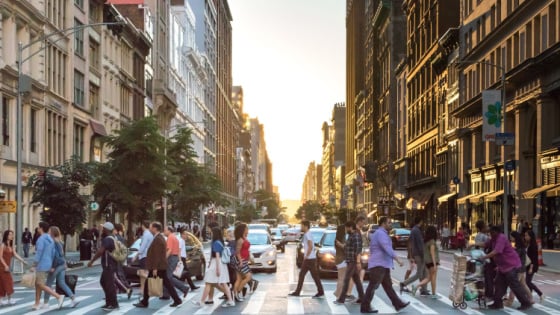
x=200 y=276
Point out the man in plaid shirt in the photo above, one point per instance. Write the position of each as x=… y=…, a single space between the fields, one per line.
x=353 y=250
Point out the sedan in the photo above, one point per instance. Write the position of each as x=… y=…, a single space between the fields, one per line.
x=326 y=253
x=292 y=234
x=196 y=262
x=278 y=239
x=316 y=234
x=263 y=253
x=400 y=237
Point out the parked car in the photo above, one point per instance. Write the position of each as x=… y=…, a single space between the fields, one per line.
x=400 y=237
x=278 y=239
x=196 y=262
x=292 y=235
x=317 y=234
x=326 y=253
x=259 y=226
x=263 y=253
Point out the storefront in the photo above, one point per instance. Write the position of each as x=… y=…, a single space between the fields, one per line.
x=447 y=209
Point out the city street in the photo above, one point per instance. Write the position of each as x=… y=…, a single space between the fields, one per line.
x=271 y=297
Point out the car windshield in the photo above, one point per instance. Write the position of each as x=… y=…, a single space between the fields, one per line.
x=258 y=239
x=257 y=227
x=329 y=238
x=402 y=232
x=317 y=234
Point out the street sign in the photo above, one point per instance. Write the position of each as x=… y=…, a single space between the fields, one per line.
x=8 y=206
x=505 y=138
x=510 y=165
x=94 y=206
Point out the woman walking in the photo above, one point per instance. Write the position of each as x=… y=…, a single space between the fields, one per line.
x=58 y=270
x=461 y=238
x=520 y=248
x=533 y=267
x=217 y=274
x=242 y=255
x=431 y=259
x=339 y=260
x=6 y=281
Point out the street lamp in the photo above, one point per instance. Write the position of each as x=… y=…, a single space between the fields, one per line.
x=22 y=80
x=166 y=136
x=504 y=112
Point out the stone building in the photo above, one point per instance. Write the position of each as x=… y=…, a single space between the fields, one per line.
x=333 y=151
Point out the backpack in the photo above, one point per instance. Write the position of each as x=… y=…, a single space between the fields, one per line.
x=226 y=254
x=58 y=255
x=120 y=252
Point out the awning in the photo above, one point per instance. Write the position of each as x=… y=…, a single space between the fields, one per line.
x=398 y=196
x=531 y=194
x=97 y=128
x=554 y=192
x=372 y=213
x=493 y=196
x=444 y=198
x=418 y=201
x=478 y=198
x=464 y=199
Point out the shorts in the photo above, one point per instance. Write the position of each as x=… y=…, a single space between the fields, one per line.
x=244 y=268
x=430 y=265
x=142 y=263
x=41 y=277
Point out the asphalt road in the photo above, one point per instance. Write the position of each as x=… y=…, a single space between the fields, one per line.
x=271 y=297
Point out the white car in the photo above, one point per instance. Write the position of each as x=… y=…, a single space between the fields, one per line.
x=263 y=253
x=292 y=235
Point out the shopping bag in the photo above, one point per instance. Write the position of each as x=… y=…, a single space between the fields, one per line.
x=155 y=287
x=71 y=281
x=28 y=280
x=179 y=270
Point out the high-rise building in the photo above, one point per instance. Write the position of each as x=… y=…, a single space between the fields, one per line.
x=334 y=138
x=312 y=183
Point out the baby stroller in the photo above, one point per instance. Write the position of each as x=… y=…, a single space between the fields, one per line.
x=467 y=283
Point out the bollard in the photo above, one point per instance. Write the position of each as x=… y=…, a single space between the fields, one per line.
x=539 y=248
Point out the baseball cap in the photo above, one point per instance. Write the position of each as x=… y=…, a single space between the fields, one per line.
x=108 y=226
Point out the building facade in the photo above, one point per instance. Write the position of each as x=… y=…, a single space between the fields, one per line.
x=312 y=183
x=334 y=137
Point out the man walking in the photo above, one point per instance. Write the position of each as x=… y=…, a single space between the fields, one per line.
x=417 y=244
x=309 y=263
x=109 y=267
x=379 y=266
x=156 y=263
x=445 y=234
x=353 y=250
x=508 y=262
x=147 y=238
x=173 y=253
x=26 y=238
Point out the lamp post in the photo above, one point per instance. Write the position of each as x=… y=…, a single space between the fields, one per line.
x=502 y=69
x=24 y=80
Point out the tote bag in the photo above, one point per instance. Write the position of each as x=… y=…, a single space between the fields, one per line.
x=155 y=287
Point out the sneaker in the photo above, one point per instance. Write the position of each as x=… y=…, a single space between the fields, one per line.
x=44 y=306
x=74 y=303
x=337 y=302
x=110 y=308
x=4 y=302
x=36 y=307
x=435 y=297
x=60 y=301
x=239 y=297
x=318 y=296
x=175 y=304
x=414 y=290
x=197 y=303
x=293 y=294
x=228 y=304
x=12 y=302
x=139 y=305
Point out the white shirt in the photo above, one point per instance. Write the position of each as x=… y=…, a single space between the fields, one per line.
x=445 y=232
x=308 y=237
x=182 y=248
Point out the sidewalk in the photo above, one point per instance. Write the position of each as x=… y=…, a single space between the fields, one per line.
x=551 y=259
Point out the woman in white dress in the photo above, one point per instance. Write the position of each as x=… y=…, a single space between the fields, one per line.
x=217 y=275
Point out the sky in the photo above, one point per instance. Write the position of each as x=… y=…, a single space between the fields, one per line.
x=289 y=57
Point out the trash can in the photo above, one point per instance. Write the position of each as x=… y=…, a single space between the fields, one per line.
x=85 y=249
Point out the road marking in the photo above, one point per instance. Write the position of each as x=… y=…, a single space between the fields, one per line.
x=90 y=307
x=468 y=310
x=381 y=306
x=545 y=309
x=419 y=306
x=55 y=306
x=551 y=300
x=295 y=305
x=87 y=283
x=512 y=311
x=9 y=309
x=255 y=303
x=208 y=309
x=166 y=310
x=335 y=309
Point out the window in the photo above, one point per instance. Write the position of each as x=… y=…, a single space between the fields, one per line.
x=79 y=3
x=79 y=131
x=93 y=99
x=94 y=16
x=94 y=54
x=56 y=12
x=78 y=88
x=56 y=138
x=79 y=39
x=5 y=121
x=125 y=101
x=56 y=70
x=33 y=131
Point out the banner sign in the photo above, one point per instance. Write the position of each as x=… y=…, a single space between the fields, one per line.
x=7 y=206
x=491 y=114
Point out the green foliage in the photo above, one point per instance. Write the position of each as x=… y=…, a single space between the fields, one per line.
x=311 y=210
x=246 y=213
x=270 y=201
x=58 y=190
x=134 y=177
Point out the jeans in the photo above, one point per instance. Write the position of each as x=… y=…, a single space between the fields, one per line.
x=531 y=285
x=505 y=279
x=421 y=272
x=108 y=285
x=351 y=273
x=172 y=262
x=309 y=265
x=26 y=247
x=59 y=275
x=377 y=276
x=166 y=285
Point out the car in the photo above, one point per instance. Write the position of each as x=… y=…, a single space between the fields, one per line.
x=316 y=234
x=400 y=237
x=196 y=262
x=326 y=253
x=283 y=227
x=259 y=226
x=292 y=235
x=278 y=239
x=263 y=253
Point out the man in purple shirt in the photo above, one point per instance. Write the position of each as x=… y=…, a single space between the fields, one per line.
x=507 y=262
x=380 y=263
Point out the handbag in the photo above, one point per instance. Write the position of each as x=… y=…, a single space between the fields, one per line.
x=155 y=287
x=71 y=281
x=28 y=280
x=179 y=269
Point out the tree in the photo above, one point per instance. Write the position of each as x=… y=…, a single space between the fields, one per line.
x=191 y=185
x=270 y=201
x=134 y=176
x=311 y=210
x=246 y=212
x=58 y=190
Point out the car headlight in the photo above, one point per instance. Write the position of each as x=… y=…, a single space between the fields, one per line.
x=270 y=252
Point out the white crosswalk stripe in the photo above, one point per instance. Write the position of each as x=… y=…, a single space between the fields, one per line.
x=54 y=306
x=416 y=304
x=295 y=306
x=381 y=306
x=468 y=310
x=546 y=309
x=335 y=309
x=255 y=303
